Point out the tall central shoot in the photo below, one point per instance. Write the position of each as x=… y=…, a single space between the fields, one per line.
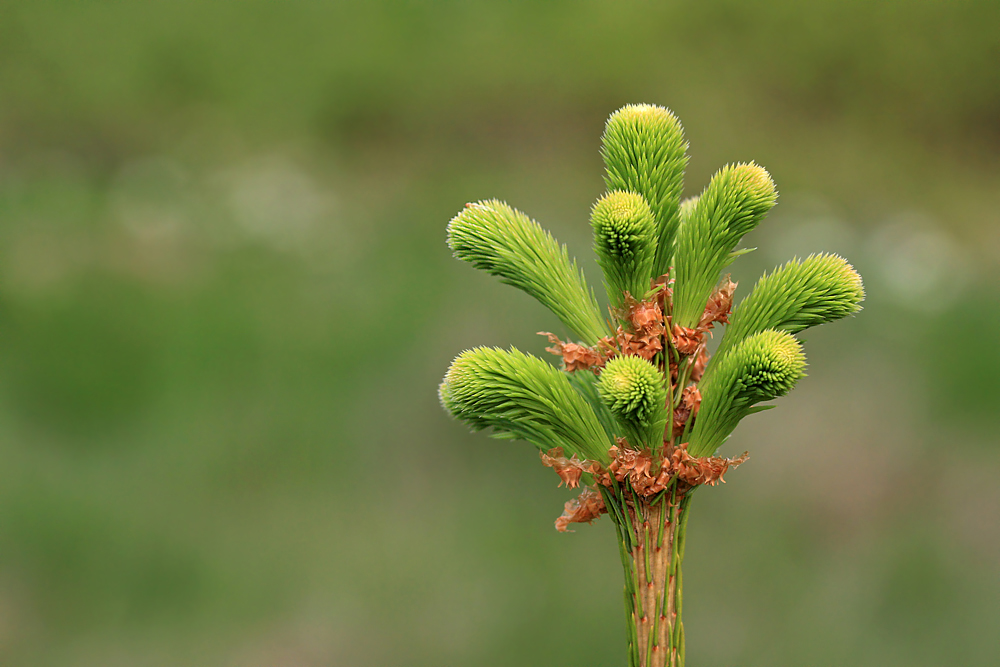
x=638 y=411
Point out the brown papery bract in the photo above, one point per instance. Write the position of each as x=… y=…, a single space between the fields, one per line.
x=646 y=317
x=639 y=345
x=568 y=469
x=688 y=408
x=687 y=341
x=642 y=338
x=697 y=470
x=719 y=305
x=700 y=363
x=648 y=474
x=586 y=507
x=575 y=357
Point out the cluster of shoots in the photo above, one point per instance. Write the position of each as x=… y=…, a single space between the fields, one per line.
x=639 y=408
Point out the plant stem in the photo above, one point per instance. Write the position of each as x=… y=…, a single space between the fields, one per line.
x=651 y=536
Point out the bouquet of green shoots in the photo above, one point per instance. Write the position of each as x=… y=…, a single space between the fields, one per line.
x=637 y=412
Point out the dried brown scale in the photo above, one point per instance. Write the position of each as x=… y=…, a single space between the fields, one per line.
x=569 y=469
x=586 y=507
x=719 y=305
x=634 y=465
x=575 y=356
x=700 y=363
x=644 y=340
x=697 y=470
x=646 y=474
x=639 y=345
x=644 y=332
x=646 y=321
x=685 y=340
x=646 y=317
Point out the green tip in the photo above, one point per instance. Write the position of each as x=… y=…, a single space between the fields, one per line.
x=755 y=194
x=769 y=364
x=761 y=367
x=521 y=396
x=645 y=152
x=633 y=389
x=735 y=201
x=506 y=243
x=801 y=294
x=625 y=243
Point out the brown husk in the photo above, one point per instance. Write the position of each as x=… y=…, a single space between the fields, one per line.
x=719 y=305
x=575 y=357
x=586 y=507
x=648 y=474
x=568 y=469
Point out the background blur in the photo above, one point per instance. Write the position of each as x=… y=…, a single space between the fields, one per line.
x=226 y=303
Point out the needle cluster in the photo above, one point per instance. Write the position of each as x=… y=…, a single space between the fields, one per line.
x=502 y=241
x=625 y=244
x=734 y=203
x=801 y=294
x=759 y=368
x=645 y=152
x=634 y=392
x=521 y=397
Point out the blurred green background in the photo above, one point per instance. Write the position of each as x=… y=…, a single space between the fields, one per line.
x=226 y=303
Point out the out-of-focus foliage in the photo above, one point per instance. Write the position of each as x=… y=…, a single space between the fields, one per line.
x=225 y=304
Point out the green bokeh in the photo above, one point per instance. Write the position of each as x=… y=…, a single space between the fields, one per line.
x=226 y=303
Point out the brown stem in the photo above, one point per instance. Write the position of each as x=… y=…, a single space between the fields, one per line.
x=652 y=538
